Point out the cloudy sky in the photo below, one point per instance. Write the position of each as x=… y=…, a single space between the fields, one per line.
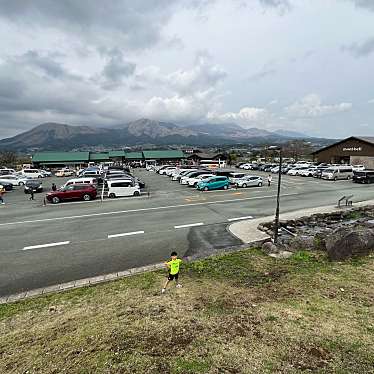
x=304 y=65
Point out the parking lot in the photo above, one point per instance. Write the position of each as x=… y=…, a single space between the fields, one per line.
x=45 y=245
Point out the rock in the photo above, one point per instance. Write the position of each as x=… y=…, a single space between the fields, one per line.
x=302 y=242
x=281 y=254
x=370 y=223
x=269 y=247
x=346 y=242
x=52 y=309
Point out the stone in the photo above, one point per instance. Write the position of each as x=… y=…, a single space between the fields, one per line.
x=301 y=242
x=269 y=247
x=281 y=254
x=346 y=242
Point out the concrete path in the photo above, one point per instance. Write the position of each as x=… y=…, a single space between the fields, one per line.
x=248 y=233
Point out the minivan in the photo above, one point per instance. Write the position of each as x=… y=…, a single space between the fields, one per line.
x=366 y=176
x=338 y=172
x=33 y=173
x=213 y=183
x=122 y=187
x=91 y=181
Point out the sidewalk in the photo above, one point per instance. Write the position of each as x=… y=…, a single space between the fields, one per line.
x=248 y=233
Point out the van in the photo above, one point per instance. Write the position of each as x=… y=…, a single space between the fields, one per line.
x=91 y=181
x=33 y=173
x=366 y=176
x=122 y=187
x=338 y=172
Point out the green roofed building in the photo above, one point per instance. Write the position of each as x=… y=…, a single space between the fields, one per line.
x=59 y=159
x=99 y=157
x=164 y=155
x=134 y=156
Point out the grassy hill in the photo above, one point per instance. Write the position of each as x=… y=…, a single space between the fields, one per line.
x=237 y=313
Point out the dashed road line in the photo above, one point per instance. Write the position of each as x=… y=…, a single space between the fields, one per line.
x=189 y=225
x=44 y=245
x=125 y=234
x=239 y=218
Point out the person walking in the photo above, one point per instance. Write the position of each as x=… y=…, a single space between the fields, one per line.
x=31 y=194
x=270 y=178
x=173 y=266
x=54 y=187
x=2 y=192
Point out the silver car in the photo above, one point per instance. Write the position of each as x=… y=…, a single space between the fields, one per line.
x=249 y=181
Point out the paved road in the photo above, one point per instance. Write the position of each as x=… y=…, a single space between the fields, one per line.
x=45 y=245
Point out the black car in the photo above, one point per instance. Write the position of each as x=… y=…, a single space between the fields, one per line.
x=365 y=176
x=7 y=186
x=34 y=185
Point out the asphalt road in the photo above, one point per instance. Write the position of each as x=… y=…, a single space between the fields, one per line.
x=45 y=245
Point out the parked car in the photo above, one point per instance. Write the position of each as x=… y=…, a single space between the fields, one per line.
x=122 y=187
x=46 y=173
x=32 y=173
x=182 y=173
x=64 y=173
x=163 y=171
x=6 y=171
x=297 y=170
x=234 y=177
x=15 y=180
x=213 y=183
x=34 y=185
x=358 y=167
x=365 y=176
x=72 y=192
x=338 y=172
x=83 y=180
x=249 y=181
x=192 y=174
x=318 y=172
x=193 y=181
x=307 y=172
x=7 y=186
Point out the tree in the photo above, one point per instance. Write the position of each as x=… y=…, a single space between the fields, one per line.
x=8 y=158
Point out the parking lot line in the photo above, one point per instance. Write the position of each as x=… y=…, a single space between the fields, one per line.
x=239 y=218
x=189 y=225
x=45 y=245
x=125 y=234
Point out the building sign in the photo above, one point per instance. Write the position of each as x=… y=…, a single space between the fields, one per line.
x=352 y=149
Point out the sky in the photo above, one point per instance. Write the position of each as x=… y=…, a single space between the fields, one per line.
x=300 y=65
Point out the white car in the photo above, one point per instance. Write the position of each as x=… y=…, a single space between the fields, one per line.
x=274 y=170
x=297 y=170
x=236 y=176
x=46 y=173
x=32 y=173
x=15 y=180
x=169 y=172
x=246 y=166
x=122 y=187
x=250 y=181
x=164 y=170
x=358 y=167
x=6 y=171
x=195 y=180
x=307 y=172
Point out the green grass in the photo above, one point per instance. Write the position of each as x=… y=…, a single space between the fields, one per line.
x=242 y=312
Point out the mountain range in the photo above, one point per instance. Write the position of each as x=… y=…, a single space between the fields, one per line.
x=53 y=136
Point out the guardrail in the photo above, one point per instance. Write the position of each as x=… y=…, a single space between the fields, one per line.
x=347 y=199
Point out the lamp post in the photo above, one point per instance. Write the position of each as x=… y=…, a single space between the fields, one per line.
x=276 y=221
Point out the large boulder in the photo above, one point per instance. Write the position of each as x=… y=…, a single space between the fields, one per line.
x=346 y=242
x=269 y=247
x=301 y=242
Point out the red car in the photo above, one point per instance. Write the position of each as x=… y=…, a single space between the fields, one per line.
x=73 y=192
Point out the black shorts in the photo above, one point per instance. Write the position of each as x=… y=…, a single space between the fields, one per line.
x=173 y=276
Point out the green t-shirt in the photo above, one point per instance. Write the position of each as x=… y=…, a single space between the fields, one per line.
x=174 y=266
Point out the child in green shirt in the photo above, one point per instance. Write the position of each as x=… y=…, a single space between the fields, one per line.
x=173 y=266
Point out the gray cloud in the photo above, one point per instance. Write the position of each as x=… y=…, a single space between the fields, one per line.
x=368 y=4
x=116 y=70
x=360 y=49
x=261 y=75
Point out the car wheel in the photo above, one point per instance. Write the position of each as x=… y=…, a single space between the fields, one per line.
x=86 y=197
x=349 y=177
x=21 y=183
x=244 y=185
x=112 y=195
x=55 y=200
x=205 y=188
x=39 y=176
x=335 y=179
x=260 y=184
x=136 y=193
x=225 y=187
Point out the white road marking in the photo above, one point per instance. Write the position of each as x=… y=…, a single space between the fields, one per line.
x=125 y=234
x=189 y=225
x=45 y=245
x=239 y=218
x=146 y=209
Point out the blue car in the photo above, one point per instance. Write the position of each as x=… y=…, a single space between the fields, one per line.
x=213 y=183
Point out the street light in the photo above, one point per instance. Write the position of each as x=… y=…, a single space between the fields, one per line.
x=276 y=223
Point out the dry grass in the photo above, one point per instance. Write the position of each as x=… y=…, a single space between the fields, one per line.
x=238 y=313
